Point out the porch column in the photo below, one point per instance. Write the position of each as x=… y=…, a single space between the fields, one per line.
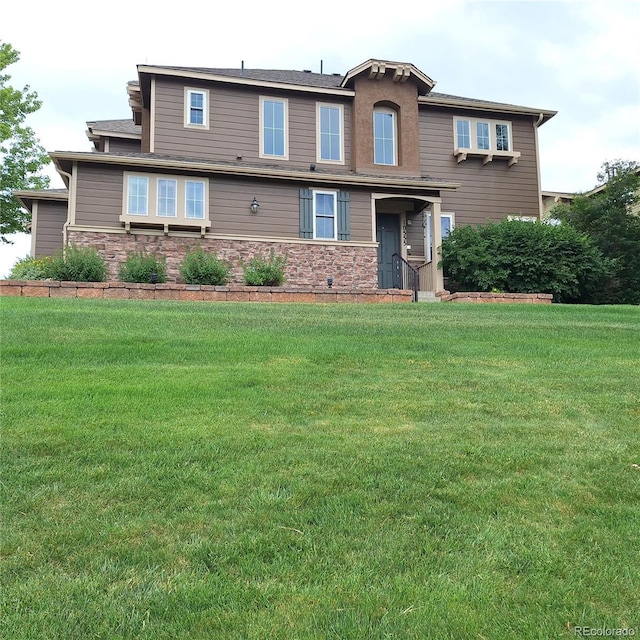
x=436 y=243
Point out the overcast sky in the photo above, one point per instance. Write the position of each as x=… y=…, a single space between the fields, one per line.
x=580 y=58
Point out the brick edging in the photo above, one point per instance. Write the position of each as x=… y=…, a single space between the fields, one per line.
x=230 y=293
x=483 y=296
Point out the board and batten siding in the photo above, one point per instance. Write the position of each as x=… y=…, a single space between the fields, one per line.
x=234 y=125
x=50 y=219
x=99 y=196
x=488 y=192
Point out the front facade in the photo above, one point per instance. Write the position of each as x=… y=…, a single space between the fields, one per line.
x=337 y=173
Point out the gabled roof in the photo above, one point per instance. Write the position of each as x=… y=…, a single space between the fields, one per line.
x=402 y=71
x=28 y=197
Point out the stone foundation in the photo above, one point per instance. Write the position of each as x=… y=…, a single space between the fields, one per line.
x=308 y=265
x=231 y=293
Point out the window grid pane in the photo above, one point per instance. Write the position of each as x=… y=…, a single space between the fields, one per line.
x=138 y=189
x=482 y=135
x=167 y=190
x=384 y=138
x=273 y=128
x=194 y=199
x=196 y=108
x=502 y=137
x=464 y=136
x=330 y=133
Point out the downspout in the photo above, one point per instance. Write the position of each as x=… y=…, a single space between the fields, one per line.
x=536 y=125
x=69 y=204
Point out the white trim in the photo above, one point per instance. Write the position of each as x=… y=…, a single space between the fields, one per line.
x=394 y=118
x=429 y=235
x=152 y=217
x=285 y=103
x=334 y=195
x=188 y=92
x=473 y=135
x=319 y=107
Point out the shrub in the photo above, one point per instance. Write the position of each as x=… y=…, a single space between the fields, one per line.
x=525 y=257
x=263 y=272
x=78 y=264
x=29 y=268
x=199 y=267
x=143 y=267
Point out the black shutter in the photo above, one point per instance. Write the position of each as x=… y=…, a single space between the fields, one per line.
x=306 y=213
x=344 y=231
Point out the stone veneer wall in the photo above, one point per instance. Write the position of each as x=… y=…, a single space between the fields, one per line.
x=308 y=265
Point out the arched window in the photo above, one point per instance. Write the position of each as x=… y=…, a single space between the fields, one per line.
x=385 y=136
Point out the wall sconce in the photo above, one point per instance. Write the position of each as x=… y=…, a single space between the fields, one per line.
x=255 y=205
x=330 y=282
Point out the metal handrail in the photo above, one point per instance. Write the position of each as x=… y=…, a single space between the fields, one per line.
x=404 y=276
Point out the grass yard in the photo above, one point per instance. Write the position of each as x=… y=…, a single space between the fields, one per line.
x=188 y=471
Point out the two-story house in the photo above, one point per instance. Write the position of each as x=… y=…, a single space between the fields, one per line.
x=336 y=172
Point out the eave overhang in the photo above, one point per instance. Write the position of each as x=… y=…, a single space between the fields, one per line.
x=401 y=72
x=27 y=197
x=64 y=161
x=479 y=105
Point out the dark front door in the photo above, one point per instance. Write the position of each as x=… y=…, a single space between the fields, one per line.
x=388 y=237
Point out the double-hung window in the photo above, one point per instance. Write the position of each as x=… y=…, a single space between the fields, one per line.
x=273 y=128
x=324 y=215
x=384 y=137
x=194 y=199
x=329 y=131
x=196 y=108
x=167 y=197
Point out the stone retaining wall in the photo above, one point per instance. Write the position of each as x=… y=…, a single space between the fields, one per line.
x=475 y=296
x=230 y=293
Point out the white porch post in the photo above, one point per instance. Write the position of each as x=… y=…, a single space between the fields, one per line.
x=436 y=243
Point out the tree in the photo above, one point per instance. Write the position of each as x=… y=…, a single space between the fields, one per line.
x=20 y=152
x=524 y=257
x=605 y=216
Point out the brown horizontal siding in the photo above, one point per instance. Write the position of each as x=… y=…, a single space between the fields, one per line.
x=99 y=196
x=234 y=126
x=279 y=214
x=124 y=145
x=50 y=220
x=488 y=192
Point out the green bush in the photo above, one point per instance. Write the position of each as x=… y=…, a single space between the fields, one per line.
x=262 y=272
x=200 y=267
x=525 y=257
x=29 y=268
x=78 y=264
x=143 y=267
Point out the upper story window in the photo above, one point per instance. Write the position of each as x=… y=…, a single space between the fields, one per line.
x=384 y=136
x=273 y=128
x=330 y=142
x=485 y=138
x=161 y=199
x=196 y=108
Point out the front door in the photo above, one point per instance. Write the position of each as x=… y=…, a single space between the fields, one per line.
x=388 y=237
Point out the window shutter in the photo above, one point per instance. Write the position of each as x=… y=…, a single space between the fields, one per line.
x=344 y=232
x=306 y=213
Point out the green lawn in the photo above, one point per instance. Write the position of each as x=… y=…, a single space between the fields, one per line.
x=174 y=470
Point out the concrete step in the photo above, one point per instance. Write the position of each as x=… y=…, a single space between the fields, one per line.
x=427 y=296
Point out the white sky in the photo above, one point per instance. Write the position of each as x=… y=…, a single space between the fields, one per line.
x=578 y=57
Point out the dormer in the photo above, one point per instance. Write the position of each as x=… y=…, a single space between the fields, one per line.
x=385 y=116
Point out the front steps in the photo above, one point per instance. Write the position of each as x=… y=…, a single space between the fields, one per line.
x=427 y=296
